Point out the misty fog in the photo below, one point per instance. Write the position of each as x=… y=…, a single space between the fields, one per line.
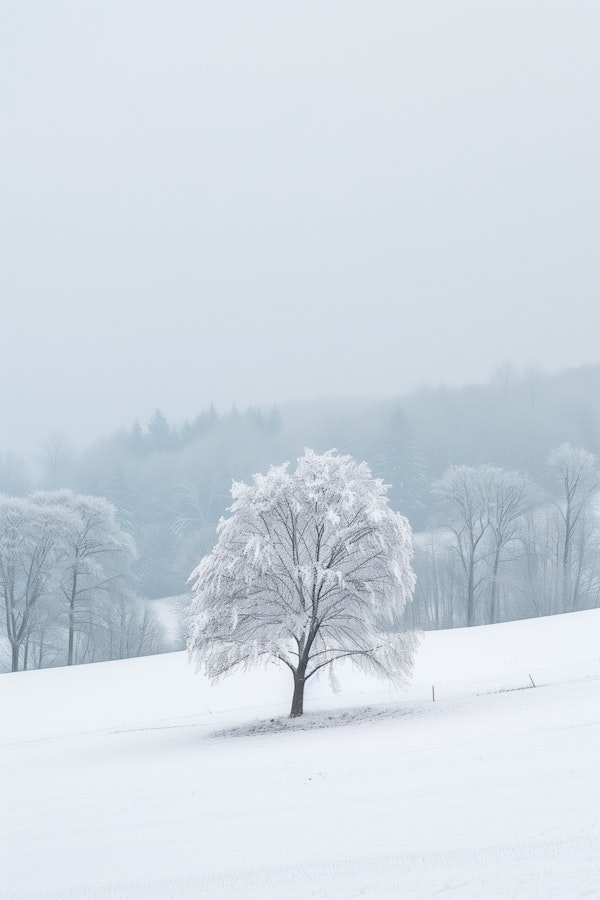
x=265 y=203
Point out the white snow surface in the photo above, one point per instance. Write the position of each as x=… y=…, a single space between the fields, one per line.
x=139 y=779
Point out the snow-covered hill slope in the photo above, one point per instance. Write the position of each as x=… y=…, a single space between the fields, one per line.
x=131 y=779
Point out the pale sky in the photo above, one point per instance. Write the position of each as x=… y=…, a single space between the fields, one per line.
x=260 y=202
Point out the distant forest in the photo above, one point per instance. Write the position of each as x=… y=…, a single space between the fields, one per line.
x=448 y=454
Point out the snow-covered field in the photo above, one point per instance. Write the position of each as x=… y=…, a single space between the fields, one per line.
x=138 y=779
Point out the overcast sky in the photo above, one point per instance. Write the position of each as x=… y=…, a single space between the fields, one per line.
x=257 y=202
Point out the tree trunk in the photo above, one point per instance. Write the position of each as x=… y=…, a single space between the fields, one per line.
x=471 y=595
x=494 y=601
x=298 y=698
x=566 y=561
x=72 y=616
x=41 y=652
x=15 y=658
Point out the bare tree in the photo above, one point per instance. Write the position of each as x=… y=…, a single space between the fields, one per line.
x=439 y=592
x=577 y=475
x=58 y=458
x=483 y=507
x=465 y=513
x=122 y=626
x=509 y=497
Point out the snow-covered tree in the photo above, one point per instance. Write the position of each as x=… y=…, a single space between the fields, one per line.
x=31 y=545
x=311 y=567
x=96 y=554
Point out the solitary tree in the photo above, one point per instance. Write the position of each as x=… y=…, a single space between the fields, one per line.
x=311 y=567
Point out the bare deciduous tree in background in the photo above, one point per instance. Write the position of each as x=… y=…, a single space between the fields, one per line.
x=575 y=469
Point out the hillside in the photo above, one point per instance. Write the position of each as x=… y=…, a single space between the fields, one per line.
x=139 y=779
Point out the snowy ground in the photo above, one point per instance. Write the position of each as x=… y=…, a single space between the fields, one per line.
x=137 y=779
